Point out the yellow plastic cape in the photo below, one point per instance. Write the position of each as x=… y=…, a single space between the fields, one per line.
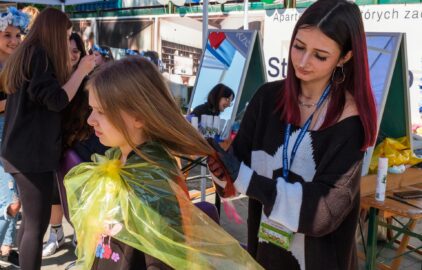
x=397 y=151
x=155 y=214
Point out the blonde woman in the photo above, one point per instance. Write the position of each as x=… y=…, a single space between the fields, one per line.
x=32 y=13
x=39 y=86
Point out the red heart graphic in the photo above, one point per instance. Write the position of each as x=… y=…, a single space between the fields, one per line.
x=216 y=38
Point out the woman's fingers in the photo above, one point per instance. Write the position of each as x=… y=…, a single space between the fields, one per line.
x=87 y=63
x=215 y=168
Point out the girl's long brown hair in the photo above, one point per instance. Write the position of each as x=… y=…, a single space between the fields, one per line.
x=49 y=32
x=134 y=85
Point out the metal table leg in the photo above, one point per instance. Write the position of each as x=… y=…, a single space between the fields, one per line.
x=371 y=251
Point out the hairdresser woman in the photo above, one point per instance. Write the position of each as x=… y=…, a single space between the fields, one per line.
x=37 y=79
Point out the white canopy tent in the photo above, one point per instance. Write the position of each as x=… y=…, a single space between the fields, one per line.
x=61 y=3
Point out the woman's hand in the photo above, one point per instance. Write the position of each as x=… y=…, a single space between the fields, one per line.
x=226 y=163
x=215 y=168
x=218 y=176
x=87 y=64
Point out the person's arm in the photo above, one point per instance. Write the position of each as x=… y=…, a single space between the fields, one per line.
x=45 y=89
x=86 y=65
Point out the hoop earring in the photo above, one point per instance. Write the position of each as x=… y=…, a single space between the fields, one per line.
x=342 y=76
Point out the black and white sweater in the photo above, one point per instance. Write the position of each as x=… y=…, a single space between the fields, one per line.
x=320 y=199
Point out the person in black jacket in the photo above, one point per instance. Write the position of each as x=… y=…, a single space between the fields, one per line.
x=219 y=98
x=38 y=82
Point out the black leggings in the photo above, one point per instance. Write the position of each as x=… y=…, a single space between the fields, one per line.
x=35 y=192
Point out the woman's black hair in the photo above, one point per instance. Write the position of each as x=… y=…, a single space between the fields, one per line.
x=217 y=92
x=79 y=44
x=153 y=56
x=75 y=127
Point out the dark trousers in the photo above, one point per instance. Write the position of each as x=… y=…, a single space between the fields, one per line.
x=35 y=193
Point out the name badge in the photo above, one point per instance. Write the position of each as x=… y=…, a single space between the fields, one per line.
x=274 y=233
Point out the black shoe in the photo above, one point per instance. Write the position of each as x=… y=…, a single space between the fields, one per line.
x=12 y=258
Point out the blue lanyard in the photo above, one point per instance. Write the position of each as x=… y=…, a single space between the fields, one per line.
x=301 y=135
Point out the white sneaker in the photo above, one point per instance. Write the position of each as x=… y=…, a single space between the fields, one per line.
x=55 y=241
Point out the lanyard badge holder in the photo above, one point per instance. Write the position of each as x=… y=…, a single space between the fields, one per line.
x=271 y=231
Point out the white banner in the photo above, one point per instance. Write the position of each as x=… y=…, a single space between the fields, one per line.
x=279 y=26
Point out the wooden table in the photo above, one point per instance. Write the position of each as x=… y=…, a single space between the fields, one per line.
x=410 y=210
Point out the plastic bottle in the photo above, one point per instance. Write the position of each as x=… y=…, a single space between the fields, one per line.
x=381 y=179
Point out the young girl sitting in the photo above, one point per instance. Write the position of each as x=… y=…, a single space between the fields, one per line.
x=130 y=208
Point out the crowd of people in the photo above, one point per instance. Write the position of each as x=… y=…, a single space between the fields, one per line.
x=297 y=155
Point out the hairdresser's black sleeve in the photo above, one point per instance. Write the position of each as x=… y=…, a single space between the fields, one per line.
x=43 y=87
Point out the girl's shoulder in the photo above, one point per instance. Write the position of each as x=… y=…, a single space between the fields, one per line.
x=154 y=152
x=204 y=108
x=350 y=108
x=37 y=50
x=267 y=95
x=39 y=58
x=270 y=89
x=345 y=129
